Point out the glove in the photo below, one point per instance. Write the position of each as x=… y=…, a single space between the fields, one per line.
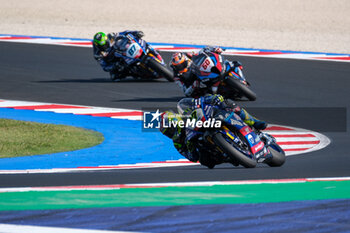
x=189 y=55
x=217 y=100
x=140 y=34
x=111 y=35
x=104 y=54
x=218 y=50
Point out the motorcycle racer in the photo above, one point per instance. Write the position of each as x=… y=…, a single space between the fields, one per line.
x=187 y=107
x=103 y=52
x=184 y=78
x=184 y=74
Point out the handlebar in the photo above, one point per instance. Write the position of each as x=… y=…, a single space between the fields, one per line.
x=222 y=76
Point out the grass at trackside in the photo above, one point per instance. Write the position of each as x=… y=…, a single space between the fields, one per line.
x=22 y=138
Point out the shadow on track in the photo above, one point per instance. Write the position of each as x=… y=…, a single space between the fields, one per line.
x=157 y=99
x=101 y=80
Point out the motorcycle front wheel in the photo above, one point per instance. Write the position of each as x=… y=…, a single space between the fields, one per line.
x=160 y=69
x=278 y=156
x=232 y=152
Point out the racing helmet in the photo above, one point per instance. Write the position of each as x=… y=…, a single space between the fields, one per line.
x=101 y=41
x=185 y=105
x=180 y=62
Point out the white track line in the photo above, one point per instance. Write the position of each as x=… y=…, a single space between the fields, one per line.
x=297 y=146
x=170 y=184
x=290 y=132
x=136 y=118
x=174 y=163
x=14 y=103
x=85 y=111
x=10 y=228
x=189 y=48
x=296 y=139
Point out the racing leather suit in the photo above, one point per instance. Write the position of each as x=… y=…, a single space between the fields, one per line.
x=186 y=106
x=188 y=81
x=106 y=58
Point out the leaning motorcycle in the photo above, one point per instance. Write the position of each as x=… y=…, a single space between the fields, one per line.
x=221 y=77
x=234 y=141
x=141 y=60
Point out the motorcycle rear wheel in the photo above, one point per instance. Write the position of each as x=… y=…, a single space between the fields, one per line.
x=232 y=152
x=160 y=69
x=240 y=87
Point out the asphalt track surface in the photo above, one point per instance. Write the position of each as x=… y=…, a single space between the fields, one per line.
x=286 y=89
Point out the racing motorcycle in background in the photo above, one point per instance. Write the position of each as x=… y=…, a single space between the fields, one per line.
x=221 y=77
x=141 y=59
x=235 y=142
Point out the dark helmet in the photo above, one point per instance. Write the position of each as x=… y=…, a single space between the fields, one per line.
x=180 y=62
x=185 y=105
x=101 y=41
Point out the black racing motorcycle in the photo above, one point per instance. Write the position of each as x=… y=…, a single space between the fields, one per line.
x=233 y=141
x=141 y=60
x=221 y=77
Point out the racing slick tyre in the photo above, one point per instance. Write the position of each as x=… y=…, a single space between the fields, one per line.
x=241 y=88
x=232 y=152
x=278 y=156
x=160 y=69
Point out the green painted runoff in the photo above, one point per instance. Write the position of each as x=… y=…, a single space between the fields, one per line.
x=165 y=196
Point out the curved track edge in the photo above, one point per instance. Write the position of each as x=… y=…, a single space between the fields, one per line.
x=185 y=47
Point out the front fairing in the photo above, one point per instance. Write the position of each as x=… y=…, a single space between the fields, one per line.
x=256 y=146
x=130 y=49
x=236 y=73
x=208 y=66
x=151 y=52
x=134 y=52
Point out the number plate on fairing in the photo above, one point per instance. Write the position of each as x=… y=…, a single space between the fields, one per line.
x=134 y=50
x=207 y=65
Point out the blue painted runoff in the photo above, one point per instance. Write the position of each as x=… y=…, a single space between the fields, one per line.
x=296 y=216
x=125 y=143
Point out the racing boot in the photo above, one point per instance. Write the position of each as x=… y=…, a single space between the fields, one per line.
x=118 y=71
x=251 y=121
